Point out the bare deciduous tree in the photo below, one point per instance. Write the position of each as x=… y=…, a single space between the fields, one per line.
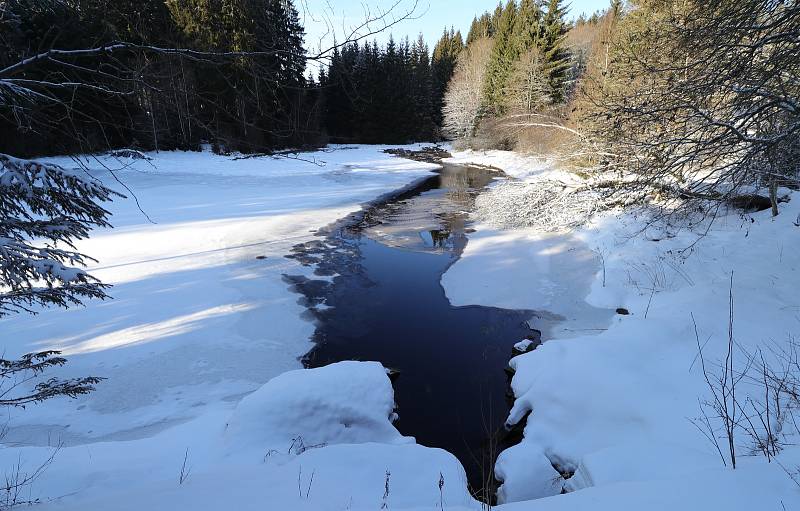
x=463 y=101
x=529 y=89
x=701 y=103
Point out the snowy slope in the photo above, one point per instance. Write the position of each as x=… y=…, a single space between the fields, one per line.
x=610 y=396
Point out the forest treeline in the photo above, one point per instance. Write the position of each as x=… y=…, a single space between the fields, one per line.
x=88 y=75
x=683 y=99
x=388 y=94
x=524 y=58
x=137 y=93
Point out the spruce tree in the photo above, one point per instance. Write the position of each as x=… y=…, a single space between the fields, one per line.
x=421 y=92
x=527 y=26
x=481 y=27
x=337 y=100
x=474 y=30
x=494 y=19
x=504 y=55
x=554 y=49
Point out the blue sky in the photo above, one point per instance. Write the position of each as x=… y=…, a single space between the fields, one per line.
x=430 y=19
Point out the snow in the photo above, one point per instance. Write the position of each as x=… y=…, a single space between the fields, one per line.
x=610 y=396
x=344 y=403
x=200 y=348
x=514 y=165
x=286 y=446
x=527 y=269
x=540 y=195
x=523 y=346
x=198 y=323
x=196 y=319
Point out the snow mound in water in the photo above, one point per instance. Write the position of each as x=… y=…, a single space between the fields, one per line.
x=523 y=346
x=343 y=403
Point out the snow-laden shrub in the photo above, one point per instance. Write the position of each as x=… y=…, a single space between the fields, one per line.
x=548 y=205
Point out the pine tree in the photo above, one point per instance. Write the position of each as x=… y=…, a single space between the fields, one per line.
x=368 y=96
x=458 y=43
x=504 y=54
x=554 y=49
x=421 y=92
x=337 y=101
x=494 y=19
x=481 y=27
x=44 y=210
x=474 y=30
x=527 y=26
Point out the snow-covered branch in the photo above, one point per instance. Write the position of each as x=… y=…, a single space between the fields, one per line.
x=44 y=210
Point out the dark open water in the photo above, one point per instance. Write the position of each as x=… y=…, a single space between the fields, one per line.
x=385 y=303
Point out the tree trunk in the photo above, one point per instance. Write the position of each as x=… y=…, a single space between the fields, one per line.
x=773 y=195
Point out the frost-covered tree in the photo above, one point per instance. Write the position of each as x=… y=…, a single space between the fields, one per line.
x=529 y=89
x=44 y=210
x=463 y=102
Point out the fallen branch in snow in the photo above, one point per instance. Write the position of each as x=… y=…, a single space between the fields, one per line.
x=299 y=446
x=185 y=471
x=548 y=205
x=289 y=155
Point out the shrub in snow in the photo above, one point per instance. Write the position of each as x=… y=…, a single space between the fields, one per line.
x=343 y=403
x=132 y=154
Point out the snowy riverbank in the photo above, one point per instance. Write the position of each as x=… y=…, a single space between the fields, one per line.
x=200 y=313
x=200 y=318
x=611 y=396
x=203 y=410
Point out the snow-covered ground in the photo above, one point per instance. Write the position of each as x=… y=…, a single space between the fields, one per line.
x=200 y=318
x=196 y=319
x=204 y=407
x=611 y=395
